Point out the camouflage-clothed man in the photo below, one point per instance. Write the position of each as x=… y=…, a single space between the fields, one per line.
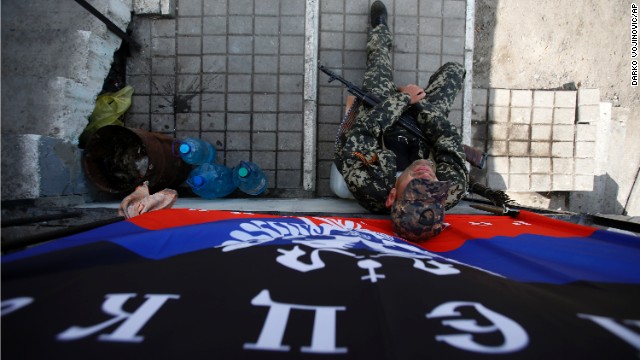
x=378 y=158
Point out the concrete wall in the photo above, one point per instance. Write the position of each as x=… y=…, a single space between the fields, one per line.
x=55 y=58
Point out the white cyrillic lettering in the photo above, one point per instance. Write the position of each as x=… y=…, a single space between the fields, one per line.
x=481 y=223
x=131 y=322
x=370 y=265
x=11 y=305
x=291 y=258
x=618 y=330
x=437 y=267
x=323 y=336
x=521 y=223
x=515 y=337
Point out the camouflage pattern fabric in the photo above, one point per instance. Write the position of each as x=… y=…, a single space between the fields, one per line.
x=419 y=214
x=446 y=142
x=369 y=168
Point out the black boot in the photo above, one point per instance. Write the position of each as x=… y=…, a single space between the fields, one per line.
x=378 y=14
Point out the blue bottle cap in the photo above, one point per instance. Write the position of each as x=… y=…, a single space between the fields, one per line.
x=198 y=181
x=243 y=171
x=185 y=148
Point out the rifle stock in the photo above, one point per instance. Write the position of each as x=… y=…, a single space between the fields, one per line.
x=475 y=157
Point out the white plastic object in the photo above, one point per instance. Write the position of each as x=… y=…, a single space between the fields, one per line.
x=338 y=185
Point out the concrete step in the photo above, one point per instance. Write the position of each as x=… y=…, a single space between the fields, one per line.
x=56 y=56
x=55 y=60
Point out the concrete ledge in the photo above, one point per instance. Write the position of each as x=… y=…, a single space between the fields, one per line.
x=310 y=96
x=154 y=7
x=36 y=166
x=328 y=206
x=60 y=55
x=322 y=205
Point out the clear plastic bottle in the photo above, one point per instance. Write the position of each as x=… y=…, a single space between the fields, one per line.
x=210 y=181
x=196 y=151
x=249 y=178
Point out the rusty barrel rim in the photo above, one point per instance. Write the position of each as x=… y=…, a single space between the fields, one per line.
x=163 y=170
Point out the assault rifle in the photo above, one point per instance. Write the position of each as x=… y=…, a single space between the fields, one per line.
x=474 y=156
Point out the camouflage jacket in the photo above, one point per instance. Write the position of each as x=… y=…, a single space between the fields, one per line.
x=369 y=169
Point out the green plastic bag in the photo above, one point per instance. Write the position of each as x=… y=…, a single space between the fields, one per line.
x=108 y=110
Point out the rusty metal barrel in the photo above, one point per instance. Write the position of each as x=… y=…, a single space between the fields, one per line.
x=117 y=159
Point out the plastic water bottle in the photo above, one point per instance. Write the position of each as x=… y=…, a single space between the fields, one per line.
x=249 y=178
x=197 y=152
x=210 y=181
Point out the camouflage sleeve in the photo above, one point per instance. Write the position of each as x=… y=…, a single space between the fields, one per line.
x=368 y=169
x=445 y=141
x=387 y=112
x=449 y=156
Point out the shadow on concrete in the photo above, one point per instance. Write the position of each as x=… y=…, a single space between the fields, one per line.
x=603 y=199
x=484 y=33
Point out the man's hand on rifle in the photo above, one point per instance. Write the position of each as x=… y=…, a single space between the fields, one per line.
x=415 y=91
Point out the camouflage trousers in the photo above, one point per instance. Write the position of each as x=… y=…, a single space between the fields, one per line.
x=442 y=89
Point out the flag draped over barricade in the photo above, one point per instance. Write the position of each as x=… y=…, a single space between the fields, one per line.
x=194 y=284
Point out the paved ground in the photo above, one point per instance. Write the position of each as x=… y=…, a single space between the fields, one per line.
x=233 y=73
x=240 y=74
